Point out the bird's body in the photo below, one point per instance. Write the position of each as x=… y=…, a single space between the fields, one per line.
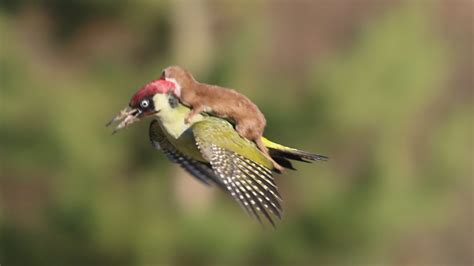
x=212 y=150
x=204 y=127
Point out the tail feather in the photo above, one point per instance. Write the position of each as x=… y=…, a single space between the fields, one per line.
x=282 y=154
x=302 y=156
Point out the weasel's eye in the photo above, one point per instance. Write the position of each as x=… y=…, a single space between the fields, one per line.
x=144 y=103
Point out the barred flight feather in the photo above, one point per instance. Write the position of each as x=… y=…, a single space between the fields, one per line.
x=250 y=184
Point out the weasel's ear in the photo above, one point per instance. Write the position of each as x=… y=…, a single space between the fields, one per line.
x=172 y=100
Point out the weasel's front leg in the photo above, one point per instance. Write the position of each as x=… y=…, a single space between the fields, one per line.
x=196 y=110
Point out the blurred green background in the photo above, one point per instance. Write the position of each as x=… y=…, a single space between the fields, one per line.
x=384 y=88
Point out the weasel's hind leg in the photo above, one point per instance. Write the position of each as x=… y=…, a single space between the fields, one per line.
x=265 y=152
x=251 y=133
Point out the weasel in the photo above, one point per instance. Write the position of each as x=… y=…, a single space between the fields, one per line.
x=223 y=102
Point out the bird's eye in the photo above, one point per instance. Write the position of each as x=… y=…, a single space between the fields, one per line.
x=144 y=103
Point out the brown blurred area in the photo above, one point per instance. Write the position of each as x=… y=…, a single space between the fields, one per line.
x=384 y=88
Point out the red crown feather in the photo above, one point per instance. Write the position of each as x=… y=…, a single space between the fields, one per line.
x=152 y=88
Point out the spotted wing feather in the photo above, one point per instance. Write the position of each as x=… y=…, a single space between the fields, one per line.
x=250 y=184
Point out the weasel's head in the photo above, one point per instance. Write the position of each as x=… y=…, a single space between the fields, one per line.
x=179 y=76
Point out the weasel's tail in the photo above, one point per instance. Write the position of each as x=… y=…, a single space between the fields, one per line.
x=282 y=154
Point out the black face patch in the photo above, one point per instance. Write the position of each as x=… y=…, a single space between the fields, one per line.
x=173 y=101
x=146 y=105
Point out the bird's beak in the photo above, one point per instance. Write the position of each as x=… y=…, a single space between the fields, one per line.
x=126 y=117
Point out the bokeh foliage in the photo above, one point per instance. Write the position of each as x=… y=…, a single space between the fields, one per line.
x=382 y=102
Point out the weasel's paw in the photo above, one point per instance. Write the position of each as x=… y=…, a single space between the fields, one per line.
x=187 y=120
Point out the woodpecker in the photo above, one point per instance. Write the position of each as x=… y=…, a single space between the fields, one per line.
x=210 y=148
x=223 y=102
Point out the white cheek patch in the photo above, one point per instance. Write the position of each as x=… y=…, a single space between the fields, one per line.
x=177 y=90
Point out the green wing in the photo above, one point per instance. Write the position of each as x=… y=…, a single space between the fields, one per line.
x=243 y=169
x=223 y=134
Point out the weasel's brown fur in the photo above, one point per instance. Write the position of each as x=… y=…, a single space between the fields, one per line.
x=223 y=102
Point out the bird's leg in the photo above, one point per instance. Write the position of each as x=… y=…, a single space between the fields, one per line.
x=127 y=117
x=118 y=117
